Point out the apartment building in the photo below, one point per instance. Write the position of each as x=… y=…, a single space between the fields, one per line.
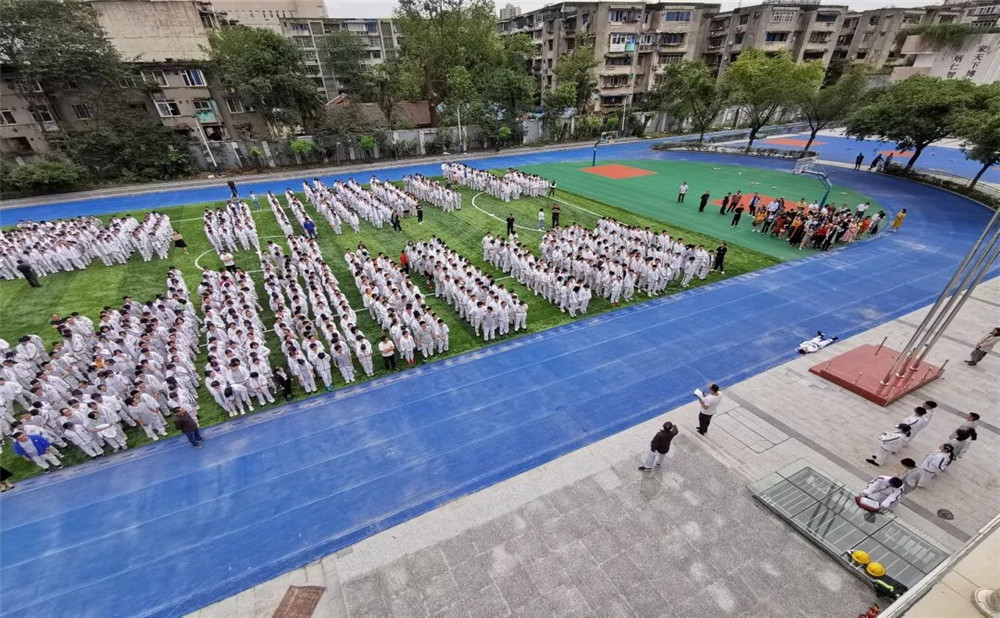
x=380 y=39
x=808 y=31
x=509 y=11
x=632 y=41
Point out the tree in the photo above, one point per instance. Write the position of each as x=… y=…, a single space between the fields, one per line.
x=761 y=85
x=341 y=52
x=824 y=106
x=122 y=141
x=41 y=176
x=267 y=72
x=58 y=44
x=441 y=34
x=556 y=102
x=386 y=85
x=979 y=127
x=914 y=113
x=689 y=92
x=577 y=68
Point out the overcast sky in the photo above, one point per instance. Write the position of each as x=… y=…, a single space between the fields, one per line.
x=384 y=8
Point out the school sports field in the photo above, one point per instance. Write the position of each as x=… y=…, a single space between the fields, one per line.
x=275 y=490
x=647 y=198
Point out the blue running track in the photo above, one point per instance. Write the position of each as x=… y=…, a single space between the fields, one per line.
x=166 y=529
x=844 y=150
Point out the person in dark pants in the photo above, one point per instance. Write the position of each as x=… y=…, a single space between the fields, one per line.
x=720 y=258
x=858 y=161
x=709 y=403
x=310 y=227
x=404 y=261
x=736 y=216
x=660 y=446
x=188 y=426
x=29 y=273
x=725 y=203
x=284 y=382
x=394 y=220
x=510 y=224
x=704 y=201
x=388 y=351
x=555 y=215
x=420 y=213
x=232 y=187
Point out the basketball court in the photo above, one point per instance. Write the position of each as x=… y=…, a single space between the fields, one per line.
x=616 y=171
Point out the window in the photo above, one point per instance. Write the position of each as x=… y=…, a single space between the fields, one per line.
x=738 y=40
x=873 y=20
x=618 y=99
x=550 y=44
x=127 y=82
x=784 y=17
x=202 y=106
x=375 y=54
x=167 y=109
x=618 y=38
x=548 y=63
x=677 y=16
x=672 y=38
x=826 y=18
x=23 y=86
x=193 y=77
x=819 y=37
x=744 y=19
x=911 y=19
x=617 y=61
x=82 y=111
x=776 y=37
x=155 y=77
x=946 y=19
x=42 y=114
x=300 y=27
x=670 y=58
x=861 y=55
x=616 y=81
x=7 y=117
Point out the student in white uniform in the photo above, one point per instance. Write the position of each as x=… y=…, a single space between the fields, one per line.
x=881 y=494
x=935 y=463
x=83 y=439
x=321 y=362
x=917 y=421
x=890 y=443
x=910 y=474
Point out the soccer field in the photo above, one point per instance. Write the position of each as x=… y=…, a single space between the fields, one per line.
x=651 y=191
x=649 y=203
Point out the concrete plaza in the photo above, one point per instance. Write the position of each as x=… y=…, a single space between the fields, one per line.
x=589 y=535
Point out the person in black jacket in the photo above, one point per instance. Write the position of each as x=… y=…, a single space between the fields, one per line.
x=660 y=446
x=187 y=426
x=284 y=382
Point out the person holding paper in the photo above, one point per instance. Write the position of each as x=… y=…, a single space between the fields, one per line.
x=709 y=403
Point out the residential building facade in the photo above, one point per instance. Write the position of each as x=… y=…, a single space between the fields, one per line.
x=509 y=11
x=380 y=39
x=633 y=42
x=978 y=59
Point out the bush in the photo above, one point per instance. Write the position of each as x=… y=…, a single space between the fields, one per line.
x=302 y=148
x=40 y=177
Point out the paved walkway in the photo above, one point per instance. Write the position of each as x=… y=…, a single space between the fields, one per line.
x=588 y=535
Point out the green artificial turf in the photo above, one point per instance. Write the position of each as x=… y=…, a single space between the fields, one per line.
x=655 y=195
x=28 y=310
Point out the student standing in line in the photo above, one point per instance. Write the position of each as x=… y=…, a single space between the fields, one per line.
x=917 y=421
x=935 y=463
x=960 y=441
x=971 y=420
x=910 y=475
x=284 y=382
x=709 y=403
x=660 y=446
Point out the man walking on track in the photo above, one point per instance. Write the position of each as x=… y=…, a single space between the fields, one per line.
x=858 y=161
x=681 y=192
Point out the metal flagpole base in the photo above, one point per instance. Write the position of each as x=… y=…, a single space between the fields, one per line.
x=861 y=370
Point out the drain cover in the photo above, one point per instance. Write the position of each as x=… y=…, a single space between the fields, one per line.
x=945 y=514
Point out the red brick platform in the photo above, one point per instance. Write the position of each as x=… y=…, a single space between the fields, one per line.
x=861 y=371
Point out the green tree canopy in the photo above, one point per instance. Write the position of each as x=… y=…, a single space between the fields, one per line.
x=689 y=92
x=914 y=113
x=58 y=43
x=762 y=84
x=577 y=68
x=341 y=51
x=824 y=106
x=979 y=128
x=267 y=72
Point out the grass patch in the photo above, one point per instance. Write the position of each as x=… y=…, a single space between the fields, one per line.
x=27 y=310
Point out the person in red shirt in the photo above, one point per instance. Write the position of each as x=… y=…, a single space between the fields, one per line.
x=404 y=262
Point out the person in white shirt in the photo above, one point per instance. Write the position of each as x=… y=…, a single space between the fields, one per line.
x=709 y=403
x=935 y=463
x=681 y=192
x=881 y=494
x=890 y=443
x=917 y=421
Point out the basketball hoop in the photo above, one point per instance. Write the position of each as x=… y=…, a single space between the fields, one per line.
x=607 y=137
x=805 y=165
